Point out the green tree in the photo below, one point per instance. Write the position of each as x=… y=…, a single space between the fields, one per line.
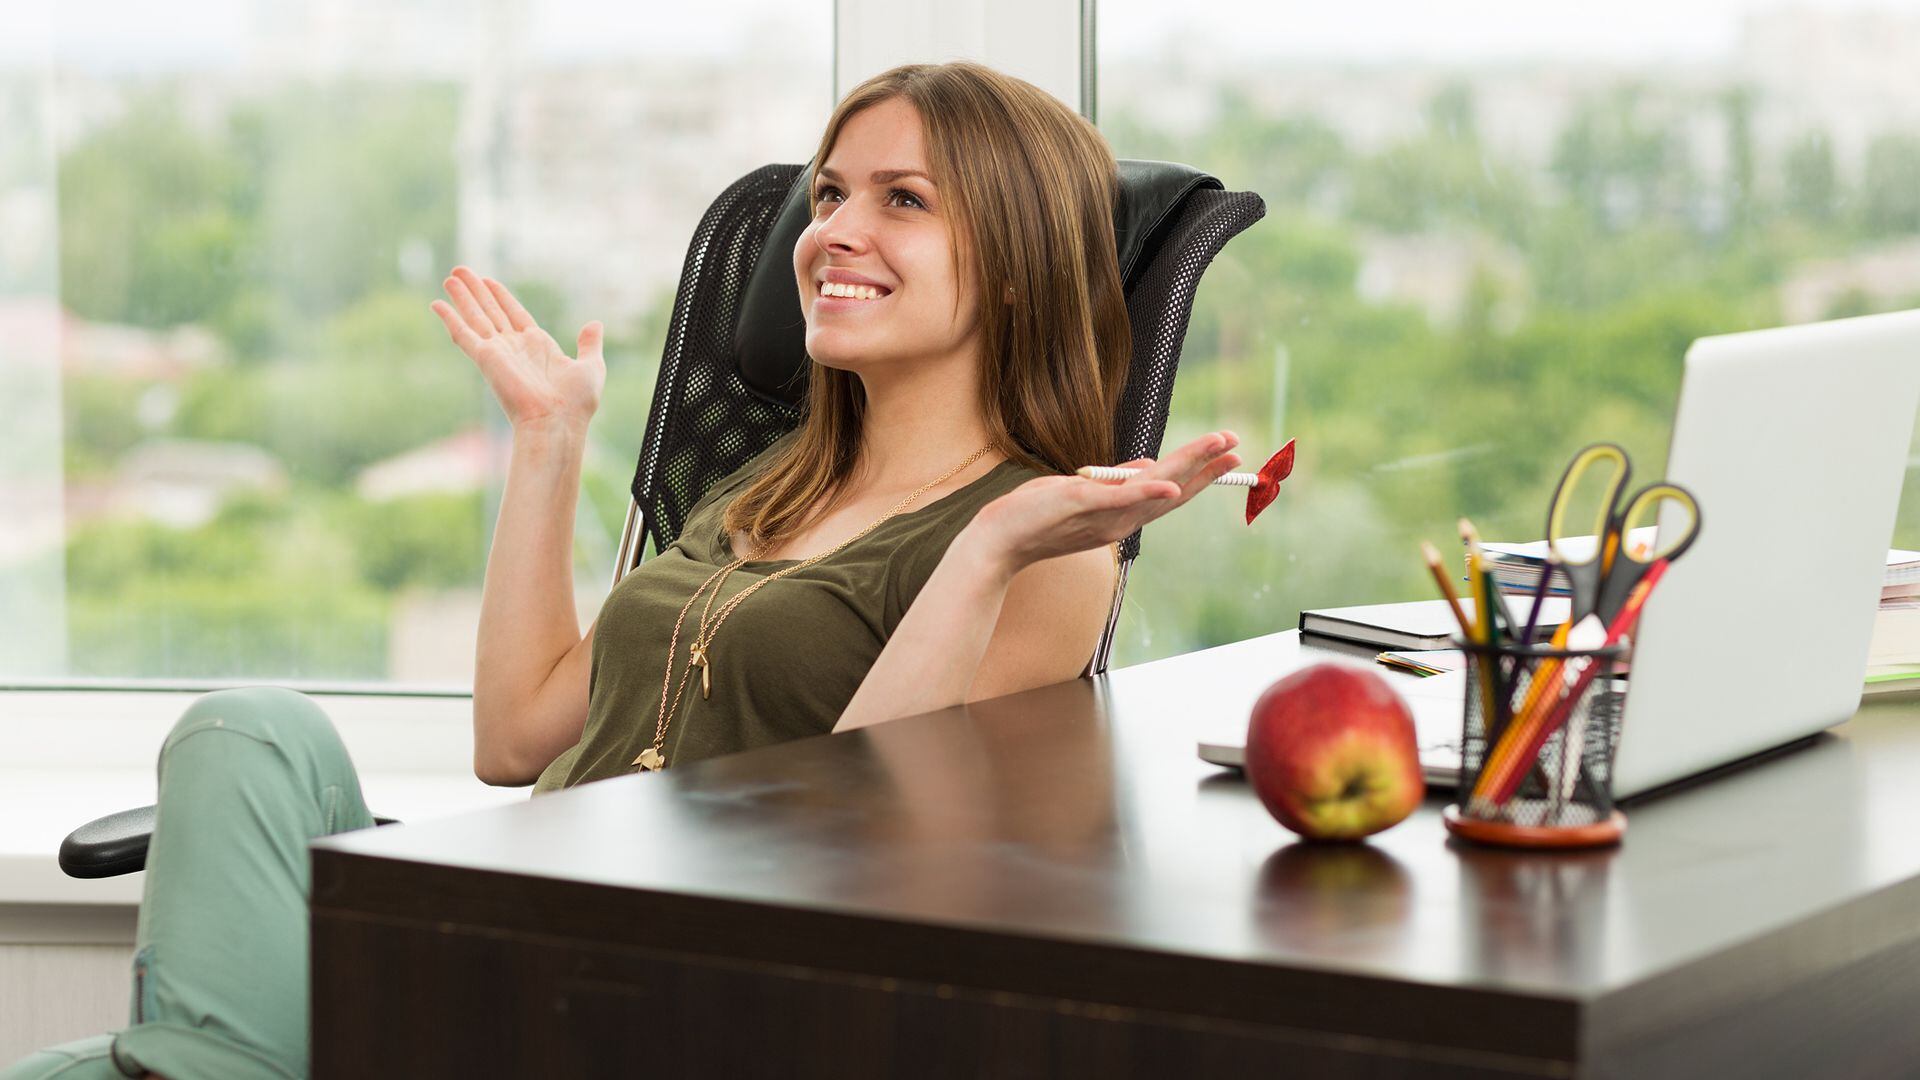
x=148 y=233
x=352 y=174
x=1736 y=104
x=1812 y=186
x=1622 y=163
x=1890 y=187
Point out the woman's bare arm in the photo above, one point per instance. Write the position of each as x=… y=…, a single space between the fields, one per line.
x=980 y=628
x=1031 y=552
x=531 y=661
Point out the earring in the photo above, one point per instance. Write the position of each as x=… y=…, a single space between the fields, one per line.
x=1009 y=294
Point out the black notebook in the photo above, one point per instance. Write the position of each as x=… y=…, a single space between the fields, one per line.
x=1419 y=624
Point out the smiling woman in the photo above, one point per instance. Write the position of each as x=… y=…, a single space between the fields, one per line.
x=922 y=544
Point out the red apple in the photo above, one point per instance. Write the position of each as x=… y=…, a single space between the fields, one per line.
x=1331 y=753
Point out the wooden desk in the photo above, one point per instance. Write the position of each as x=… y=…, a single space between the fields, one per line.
x=1050 y=884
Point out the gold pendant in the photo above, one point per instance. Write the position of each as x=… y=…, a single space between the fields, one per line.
x=650 y=760
x=699 y=658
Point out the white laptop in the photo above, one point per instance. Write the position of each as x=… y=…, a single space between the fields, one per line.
x=1795 y=441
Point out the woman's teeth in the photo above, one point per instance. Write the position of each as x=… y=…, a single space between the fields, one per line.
x=850 y=292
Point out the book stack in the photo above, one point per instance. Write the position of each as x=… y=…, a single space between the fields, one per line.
x=1517 y=567
x=1893 y=661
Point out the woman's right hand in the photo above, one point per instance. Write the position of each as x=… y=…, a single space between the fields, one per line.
x=536 y=383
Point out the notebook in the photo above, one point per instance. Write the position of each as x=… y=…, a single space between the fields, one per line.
x=1419 y=624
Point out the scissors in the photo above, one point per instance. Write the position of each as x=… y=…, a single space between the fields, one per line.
x=1602 y=581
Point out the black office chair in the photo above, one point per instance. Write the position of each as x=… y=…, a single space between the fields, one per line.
x=733 y=374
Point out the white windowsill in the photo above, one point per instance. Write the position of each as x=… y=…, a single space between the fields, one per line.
x=69 y=756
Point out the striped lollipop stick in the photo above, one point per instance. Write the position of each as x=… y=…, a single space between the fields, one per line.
x=1262 y=486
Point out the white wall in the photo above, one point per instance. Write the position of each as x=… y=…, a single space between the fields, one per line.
x=65 y=974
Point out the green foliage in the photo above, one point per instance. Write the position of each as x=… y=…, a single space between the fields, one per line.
x=299 y=207
x=433 y=541
x=355 y=174
x=148 y=229
x=1444 y=176
x=1890 y=190
x=1808 y=175
x=380 y=378
x=1622 y=162
x=101 y=418
x=216 y=628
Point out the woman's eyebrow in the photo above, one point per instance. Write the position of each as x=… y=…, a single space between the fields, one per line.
x=880 y=176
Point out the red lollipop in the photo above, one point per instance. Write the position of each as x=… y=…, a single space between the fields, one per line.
x=1266 y=484
x=1262 y=487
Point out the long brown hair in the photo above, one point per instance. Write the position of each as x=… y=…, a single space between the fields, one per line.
x=1032 y=184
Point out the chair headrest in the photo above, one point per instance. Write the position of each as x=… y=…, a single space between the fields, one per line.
x=770 y=339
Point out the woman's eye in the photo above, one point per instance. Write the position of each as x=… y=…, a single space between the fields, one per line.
x=897 y=196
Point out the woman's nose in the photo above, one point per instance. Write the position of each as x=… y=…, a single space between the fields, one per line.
x=847 y=230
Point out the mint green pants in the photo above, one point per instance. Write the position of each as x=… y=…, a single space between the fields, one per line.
x=247 y=778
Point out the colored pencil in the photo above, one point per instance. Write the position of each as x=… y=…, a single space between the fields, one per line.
x=1539 y=599
x=1488 y=636
x=1432 y=555
x=1556 y=713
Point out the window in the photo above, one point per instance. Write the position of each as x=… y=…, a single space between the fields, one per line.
x=1493 y=229
x=239 y=445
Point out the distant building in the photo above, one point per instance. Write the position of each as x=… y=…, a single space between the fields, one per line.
x=183 y=482
x=1884 y=277
x=135 y=352
x=1436 y=273
x=463 y=462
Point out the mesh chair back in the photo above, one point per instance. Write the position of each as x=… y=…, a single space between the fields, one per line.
x=706 y=421
x=1159 y=305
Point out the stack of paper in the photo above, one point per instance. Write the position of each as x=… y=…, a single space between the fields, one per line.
x=1517 y=567
x=1893 y=661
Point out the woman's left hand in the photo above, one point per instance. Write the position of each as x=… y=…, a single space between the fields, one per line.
x=1051 y=516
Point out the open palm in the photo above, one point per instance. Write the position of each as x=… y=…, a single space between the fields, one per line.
x=536 y=382
x=1051 y=516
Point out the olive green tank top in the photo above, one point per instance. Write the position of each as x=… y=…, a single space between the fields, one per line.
x=789 y=658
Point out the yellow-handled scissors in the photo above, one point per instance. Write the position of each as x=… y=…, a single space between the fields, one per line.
x=1602 y=580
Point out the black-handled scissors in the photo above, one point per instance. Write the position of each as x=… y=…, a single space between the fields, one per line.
x=1603 y=579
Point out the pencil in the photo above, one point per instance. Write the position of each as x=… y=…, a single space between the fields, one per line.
x=1432 y=555
x=1539 y=598
x=1556 y=714
x=1482 y=579
x=1495 y=708
x=1501 y=753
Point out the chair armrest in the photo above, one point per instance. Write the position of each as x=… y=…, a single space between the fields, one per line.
x=117 y=844
x=108 y=846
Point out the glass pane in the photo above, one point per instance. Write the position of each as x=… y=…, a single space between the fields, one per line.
x=240 y=445
x=1493 y=228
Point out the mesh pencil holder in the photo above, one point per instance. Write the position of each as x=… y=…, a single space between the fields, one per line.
x=1538 y=735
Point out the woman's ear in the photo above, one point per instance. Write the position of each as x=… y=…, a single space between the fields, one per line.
x=1009 y=294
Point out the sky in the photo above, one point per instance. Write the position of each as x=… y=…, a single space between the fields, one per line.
x=140 y=34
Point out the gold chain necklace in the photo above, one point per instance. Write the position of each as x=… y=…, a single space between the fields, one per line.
x=699 y=650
